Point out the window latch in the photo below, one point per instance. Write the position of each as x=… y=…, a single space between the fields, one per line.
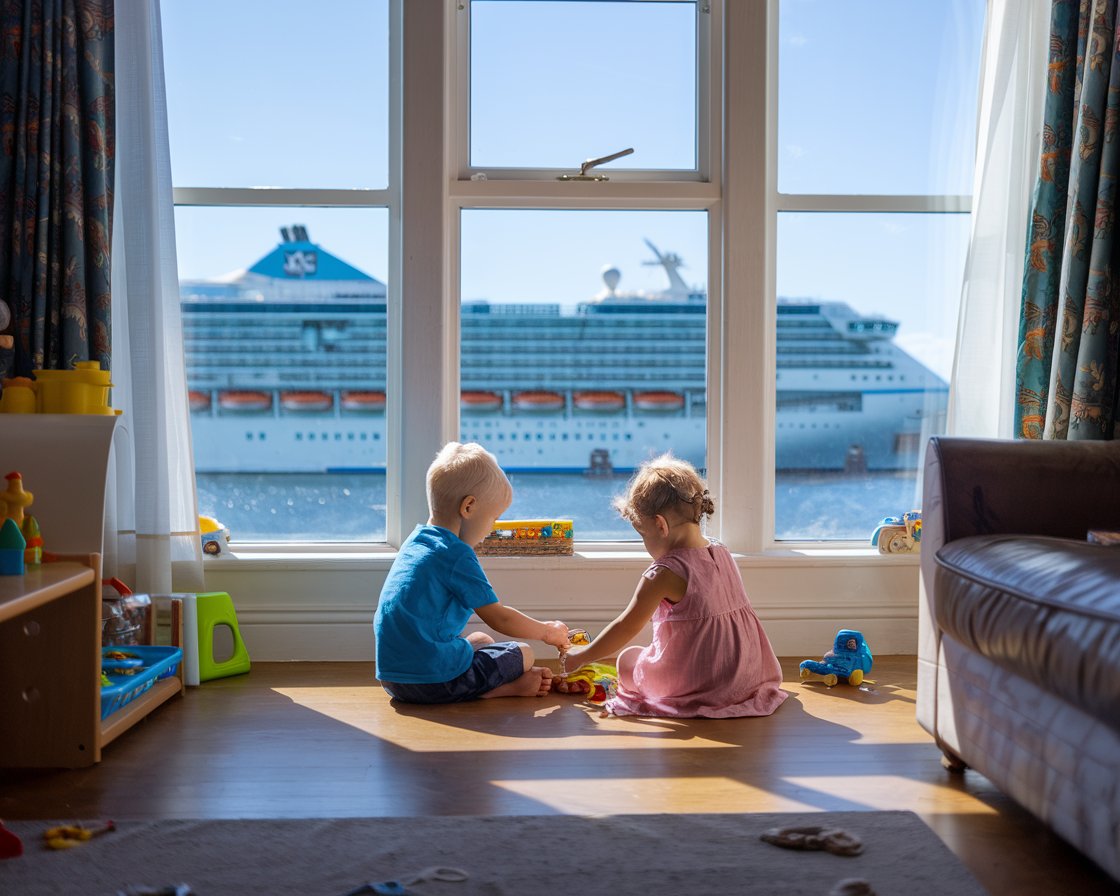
x=591 y=163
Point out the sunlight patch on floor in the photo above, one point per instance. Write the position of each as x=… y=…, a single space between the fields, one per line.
x=890 y=792
x=644 y=795
x=464 y=728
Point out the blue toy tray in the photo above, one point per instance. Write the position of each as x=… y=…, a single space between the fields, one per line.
x=129 y=679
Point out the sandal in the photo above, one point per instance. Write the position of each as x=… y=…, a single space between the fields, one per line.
x=834 y=840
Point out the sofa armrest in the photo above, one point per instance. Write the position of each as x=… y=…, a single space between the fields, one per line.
x=1028 y=487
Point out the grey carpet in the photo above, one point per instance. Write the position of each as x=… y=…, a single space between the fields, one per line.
x=649 y=855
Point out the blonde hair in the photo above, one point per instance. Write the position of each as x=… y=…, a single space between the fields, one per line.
x=668 y=486
x=462 y=469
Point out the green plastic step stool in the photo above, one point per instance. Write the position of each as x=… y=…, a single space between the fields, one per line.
x=216 y=608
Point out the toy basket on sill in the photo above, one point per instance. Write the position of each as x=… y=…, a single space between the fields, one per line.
x=523 y=538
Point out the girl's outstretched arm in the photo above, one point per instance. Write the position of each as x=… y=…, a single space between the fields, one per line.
x=653 y=587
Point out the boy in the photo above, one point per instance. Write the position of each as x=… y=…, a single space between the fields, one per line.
x=435 y=584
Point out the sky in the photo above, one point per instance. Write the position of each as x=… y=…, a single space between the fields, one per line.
x=876 y=96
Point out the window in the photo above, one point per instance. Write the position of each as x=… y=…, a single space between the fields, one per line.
x=808 y=187
x=282 y=223
x=876 y=130
x=584 y=314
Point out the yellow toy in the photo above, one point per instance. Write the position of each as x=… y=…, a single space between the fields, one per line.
x=601 y=679
x=15 y=498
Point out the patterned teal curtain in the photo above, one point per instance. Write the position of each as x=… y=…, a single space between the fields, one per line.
x=56 y=181
x=1066 y=373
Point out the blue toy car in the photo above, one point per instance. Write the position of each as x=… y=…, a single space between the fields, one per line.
x=850 y=659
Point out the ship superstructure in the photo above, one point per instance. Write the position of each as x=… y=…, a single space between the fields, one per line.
x=286 y=369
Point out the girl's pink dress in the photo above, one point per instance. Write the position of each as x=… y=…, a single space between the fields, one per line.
x=710 y=656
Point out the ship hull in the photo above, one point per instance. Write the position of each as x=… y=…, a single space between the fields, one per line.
x=885 y=434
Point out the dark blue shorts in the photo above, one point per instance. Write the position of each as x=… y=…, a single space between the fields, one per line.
x=493 y=666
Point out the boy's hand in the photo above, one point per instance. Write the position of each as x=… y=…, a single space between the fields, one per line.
x=556 y=634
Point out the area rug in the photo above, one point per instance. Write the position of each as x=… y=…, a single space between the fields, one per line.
x=647 y=855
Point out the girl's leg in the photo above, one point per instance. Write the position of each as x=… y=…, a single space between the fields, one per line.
x=627 y=660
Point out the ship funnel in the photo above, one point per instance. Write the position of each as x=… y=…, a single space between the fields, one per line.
x=611 y=276
x=285 y=234
x=300 y=233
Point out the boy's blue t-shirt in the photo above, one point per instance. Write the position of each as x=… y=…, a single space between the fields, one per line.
x=434 y=585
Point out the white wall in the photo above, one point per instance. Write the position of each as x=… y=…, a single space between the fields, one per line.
x=319 y=606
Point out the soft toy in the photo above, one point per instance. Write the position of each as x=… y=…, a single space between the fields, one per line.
x=850 y=659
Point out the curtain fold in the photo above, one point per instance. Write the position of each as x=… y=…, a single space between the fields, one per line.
x=152 y=537
x=1012 y=82
x=1066 y=371
x=56 y=181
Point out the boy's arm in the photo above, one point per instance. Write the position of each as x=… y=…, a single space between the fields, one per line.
x=516 y=624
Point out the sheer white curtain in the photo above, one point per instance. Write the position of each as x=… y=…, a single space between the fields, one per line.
x=151 y=532
x=1012 y=87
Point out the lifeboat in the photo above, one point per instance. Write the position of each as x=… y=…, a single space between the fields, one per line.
x=538 y=401
x=479 y=401
x=658 y=401
x=199 y=401
x=363 y=402
x=306 y=402
x=245 y=402
x=599 y=401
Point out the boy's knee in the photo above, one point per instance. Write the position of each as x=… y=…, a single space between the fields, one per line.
x=527 y=656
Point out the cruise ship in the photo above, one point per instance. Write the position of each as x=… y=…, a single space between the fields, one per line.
x=286 y=370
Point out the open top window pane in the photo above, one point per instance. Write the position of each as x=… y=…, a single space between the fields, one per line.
x=555 y=83
x=583 y=352
x=878 y=96
x=275 y=93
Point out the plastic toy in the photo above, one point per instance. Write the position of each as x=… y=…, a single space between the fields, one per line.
x=12 y=546
x=899 y=534
x=18 y=395
x=528 y=537
x=215 y=536
x=849 y=659
x=10 y=845
x=578 y=637
x=68 y=835
x=16 y=499
x=33 y=553
x=601 y=678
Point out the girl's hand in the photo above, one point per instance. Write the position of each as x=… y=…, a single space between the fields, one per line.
x=570 y=660
x=556 y=634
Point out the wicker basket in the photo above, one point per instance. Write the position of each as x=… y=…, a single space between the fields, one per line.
x=527 y=538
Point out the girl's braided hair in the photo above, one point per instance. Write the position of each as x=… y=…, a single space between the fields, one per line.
x=668 y=486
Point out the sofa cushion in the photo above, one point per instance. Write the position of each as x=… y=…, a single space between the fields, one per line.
x=1045 y=608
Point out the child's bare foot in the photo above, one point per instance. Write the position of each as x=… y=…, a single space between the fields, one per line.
x=537 y=682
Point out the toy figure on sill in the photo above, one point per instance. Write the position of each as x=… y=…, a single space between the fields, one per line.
x=849 y=659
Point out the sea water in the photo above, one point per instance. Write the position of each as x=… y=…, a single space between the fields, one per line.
x=348 y=507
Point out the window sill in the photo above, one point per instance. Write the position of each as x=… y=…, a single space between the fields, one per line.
x=597 y=556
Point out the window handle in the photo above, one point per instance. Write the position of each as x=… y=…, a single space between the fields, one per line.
x=591 y=163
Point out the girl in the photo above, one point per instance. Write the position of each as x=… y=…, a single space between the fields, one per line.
x=710 y=656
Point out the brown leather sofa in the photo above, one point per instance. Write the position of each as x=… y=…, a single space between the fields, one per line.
x=1019 y=626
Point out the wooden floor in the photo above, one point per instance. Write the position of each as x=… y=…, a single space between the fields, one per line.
x=322 y=740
